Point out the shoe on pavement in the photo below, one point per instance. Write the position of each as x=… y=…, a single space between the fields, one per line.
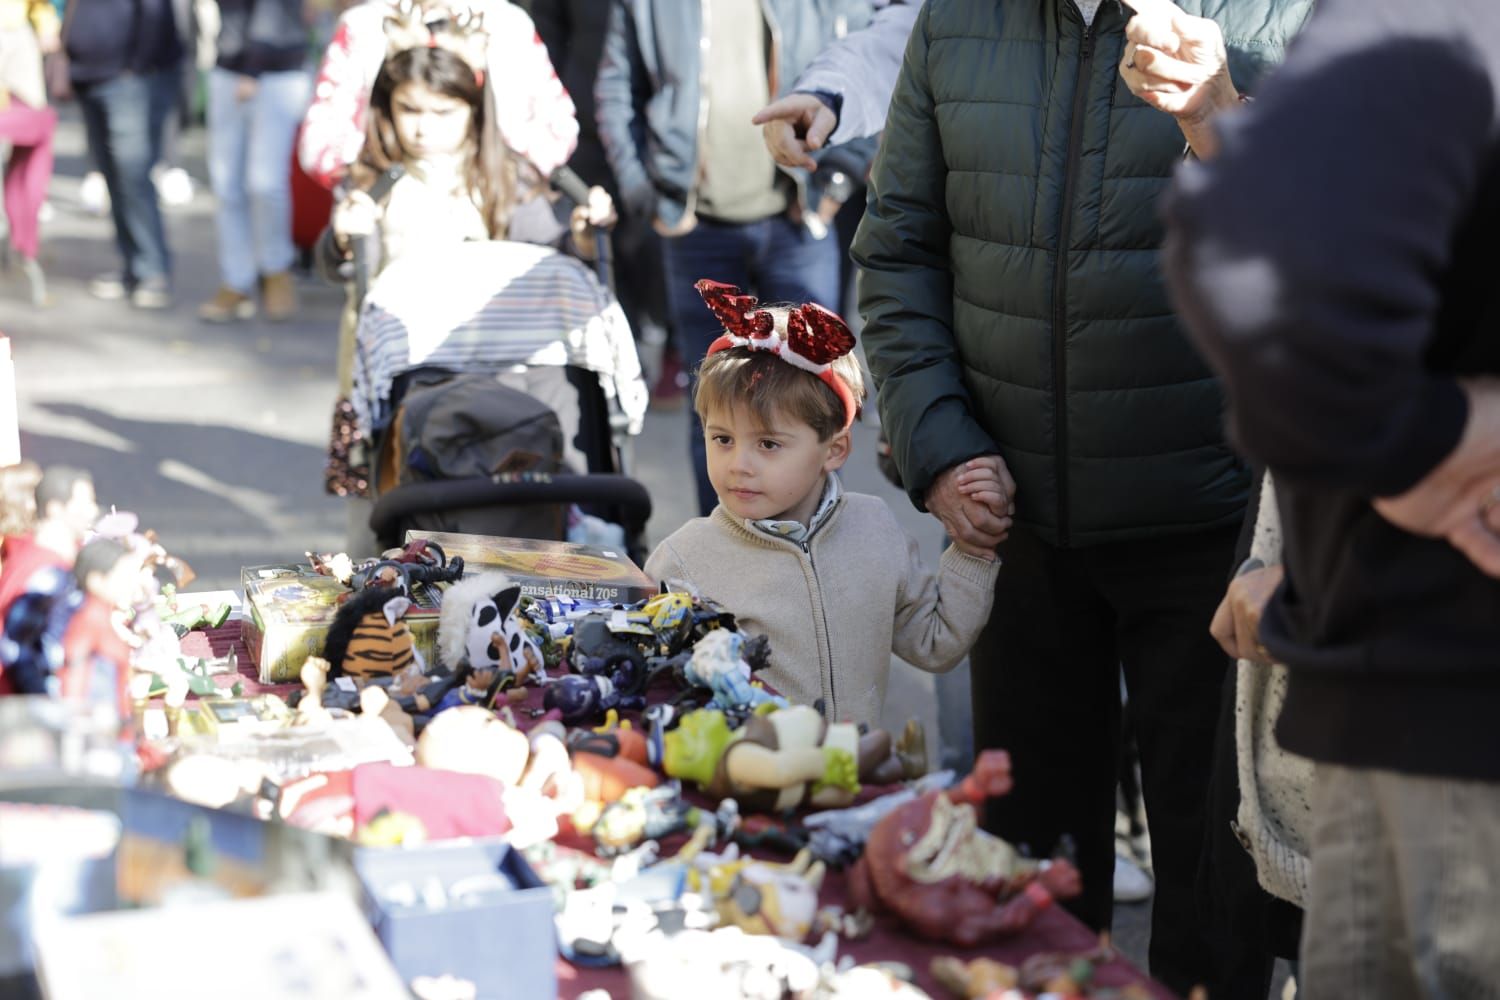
x=226 y=306
x=174 y=186
x=112 y=287
x=93 y=192
x=153 y=293
x=1132 y=884
x=278 y=296
x=37 y=279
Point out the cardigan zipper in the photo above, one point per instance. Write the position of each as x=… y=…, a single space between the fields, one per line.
x=1060 y=279
x=826 y=653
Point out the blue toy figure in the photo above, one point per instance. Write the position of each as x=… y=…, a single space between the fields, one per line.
x=718 y=665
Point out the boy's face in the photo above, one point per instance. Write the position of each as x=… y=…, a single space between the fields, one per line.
x=769 y=472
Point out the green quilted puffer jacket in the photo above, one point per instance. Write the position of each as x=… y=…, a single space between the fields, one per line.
x=1010 y=270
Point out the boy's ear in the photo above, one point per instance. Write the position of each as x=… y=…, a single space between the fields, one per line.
x=839 y=447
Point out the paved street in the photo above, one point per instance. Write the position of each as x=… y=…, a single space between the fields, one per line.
x=214 y=435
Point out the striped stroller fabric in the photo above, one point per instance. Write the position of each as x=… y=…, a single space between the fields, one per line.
x=488 y=306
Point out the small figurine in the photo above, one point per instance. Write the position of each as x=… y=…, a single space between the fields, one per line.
x=929 y=864
x=718 y=664
x=1064 y=975
x=18 y=498
x=310 y=710
x=783 y=757
x=369 y=638
x=583 y=698
x=374 y=703
x=65 y=512
x=653 y=813
x=756 y=896
x=478 y=629
x=598 y=650
x=96 y=657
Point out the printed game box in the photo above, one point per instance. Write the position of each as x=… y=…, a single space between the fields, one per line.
x=544 y=568
x=289 y=609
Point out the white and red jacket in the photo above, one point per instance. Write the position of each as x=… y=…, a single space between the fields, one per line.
x=533 y=111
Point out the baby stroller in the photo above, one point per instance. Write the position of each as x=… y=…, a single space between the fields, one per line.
x=499 y=385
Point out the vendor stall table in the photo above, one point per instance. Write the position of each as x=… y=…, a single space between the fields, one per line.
x=1055 y=931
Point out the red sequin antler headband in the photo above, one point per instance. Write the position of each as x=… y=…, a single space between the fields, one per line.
x=814 y=337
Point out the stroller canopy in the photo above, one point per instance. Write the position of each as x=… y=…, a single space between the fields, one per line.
x=487 y=306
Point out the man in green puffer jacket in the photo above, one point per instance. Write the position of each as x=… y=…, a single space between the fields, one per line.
x=1013 y=303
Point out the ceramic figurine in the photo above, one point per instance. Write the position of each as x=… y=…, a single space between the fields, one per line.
x=783 y=758
x=944 y=878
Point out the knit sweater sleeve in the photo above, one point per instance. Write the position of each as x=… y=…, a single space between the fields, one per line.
x=665 y=564
x=938 y=617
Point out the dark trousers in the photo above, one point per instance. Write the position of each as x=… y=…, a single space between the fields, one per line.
x=772 y=258
x=1046 y=688
x=124 y=118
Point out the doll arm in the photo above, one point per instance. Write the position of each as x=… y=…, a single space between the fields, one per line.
x=939 y=617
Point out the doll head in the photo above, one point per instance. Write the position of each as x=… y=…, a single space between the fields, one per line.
x=18 y=497
x=693 y=749
x=473 y=740
x=65 y=501
x=109 y=572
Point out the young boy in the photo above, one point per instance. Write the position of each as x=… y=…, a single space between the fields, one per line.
x=827 y=575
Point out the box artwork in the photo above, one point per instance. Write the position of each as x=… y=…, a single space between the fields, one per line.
x=544 y=568
x=288 y=611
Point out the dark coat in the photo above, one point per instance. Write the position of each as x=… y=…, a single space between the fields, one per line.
x=1011 y=283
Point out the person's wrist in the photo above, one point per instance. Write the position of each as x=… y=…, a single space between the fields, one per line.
x=1220 y=94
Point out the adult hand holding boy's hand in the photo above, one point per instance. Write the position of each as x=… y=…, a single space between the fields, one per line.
x=976 y=527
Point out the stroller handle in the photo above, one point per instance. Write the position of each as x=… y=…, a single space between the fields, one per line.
x=625 y=494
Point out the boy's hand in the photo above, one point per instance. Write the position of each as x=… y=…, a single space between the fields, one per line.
x=986 y=480
x=354 y=217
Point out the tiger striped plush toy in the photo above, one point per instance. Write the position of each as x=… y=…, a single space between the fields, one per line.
x=369 y=639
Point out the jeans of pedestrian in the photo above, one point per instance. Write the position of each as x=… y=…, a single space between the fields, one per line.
x=1046 y=684
x=774 y=259
x=1404 y=893
x=124 y=118
x=249 y=165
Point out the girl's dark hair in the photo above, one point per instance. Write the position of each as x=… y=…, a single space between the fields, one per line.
x=491 y=170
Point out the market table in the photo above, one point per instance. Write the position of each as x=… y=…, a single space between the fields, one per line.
x=1055 y=930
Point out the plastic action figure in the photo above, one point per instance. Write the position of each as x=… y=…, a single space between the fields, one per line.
x=784 y=757
x=96 y=657
x=929 y=864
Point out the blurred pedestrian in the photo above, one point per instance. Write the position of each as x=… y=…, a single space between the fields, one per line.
x=573 y=31
x=29 y=29
x=1340 y=280
x=257 y=93
x=533 y=112
x=678 y=84
x=124 y=60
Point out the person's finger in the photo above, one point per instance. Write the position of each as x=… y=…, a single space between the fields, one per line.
x=1155 y=64
x=792 y=108
x=1152 y=31
x=1156 y=14
x=786 y=149
x=822 y=127
x=1222 y=628
x=1007 y=481
x=997 y=502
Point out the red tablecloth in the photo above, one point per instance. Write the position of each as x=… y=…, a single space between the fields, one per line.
x=1056 y=930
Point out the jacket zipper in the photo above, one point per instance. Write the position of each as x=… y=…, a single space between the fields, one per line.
x=826 y=653
x=1060 y=279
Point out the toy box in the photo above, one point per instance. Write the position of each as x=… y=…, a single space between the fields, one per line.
x=544 y=568
x=474 y=910
x=288 y=611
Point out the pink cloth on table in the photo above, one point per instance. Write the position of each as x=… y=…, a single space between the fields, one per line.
x=28 y=172
x=448 y=804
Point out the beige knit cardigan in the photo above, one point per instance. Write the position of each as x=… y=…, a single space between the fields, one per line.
x=836 y=608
